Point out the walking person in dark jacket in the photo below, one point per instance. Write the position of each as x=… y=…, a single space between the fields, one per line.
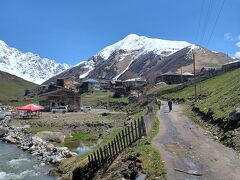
x=170 y=105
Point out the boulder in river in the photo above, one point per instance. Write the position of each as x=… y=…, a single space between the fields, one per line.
x=57 y=137
x=3 y=130
x=10 y=139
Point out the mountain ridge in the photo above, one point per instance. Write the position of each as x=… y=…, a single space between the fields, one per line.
x=140 y=56
x=28 y=66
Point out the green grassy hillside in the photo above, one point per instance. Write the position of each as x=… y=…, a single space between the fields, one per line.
x=221 y=93
x=12 y=86
x=102 y=98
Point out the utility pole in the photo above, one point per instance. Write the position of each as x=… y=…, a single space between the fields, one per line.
x=200 y=84
x=194 y=70
x=181 y=75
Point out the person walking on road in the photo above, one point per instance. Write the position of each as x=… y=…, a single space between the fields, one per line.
x=170 y=105
x=158 y=102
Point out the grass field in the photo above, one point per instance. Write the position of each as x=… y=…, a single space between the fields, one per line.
x=220 y=93
x=101 y=98
x=12 y=86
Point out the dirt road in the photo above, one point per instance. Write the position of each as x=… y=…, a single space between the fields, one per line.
x=185 y=146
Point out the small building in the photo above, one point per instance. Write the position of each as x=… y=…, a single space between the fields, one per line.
x=174 y=78
x=60 y=97
x=90 y=85
x=116 y=83
x=66 y=82
x=231 y=65
x=135 y=83
x=105 y=84
x=121 y=91
x=207 y=70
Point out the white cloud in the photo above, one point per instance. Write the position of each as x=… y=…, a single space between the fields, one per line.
x=237 y=55
x=228 y=36
x=238 y=44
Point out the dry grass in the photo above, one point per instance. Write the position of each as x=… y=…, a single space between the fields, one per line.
x=57 y=120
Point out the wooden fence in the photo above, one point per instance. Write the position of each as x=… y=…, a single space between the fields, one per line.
x=104 y=156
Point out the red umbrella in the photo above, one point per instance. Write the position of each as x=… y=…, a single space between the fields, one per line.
x=30 y=107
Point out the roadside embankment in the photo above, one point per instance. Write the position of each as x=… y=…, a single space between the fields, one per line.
x=217 y=105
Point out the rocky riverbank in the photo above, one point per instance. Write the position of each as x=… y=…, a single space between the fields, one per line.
x=46 y=152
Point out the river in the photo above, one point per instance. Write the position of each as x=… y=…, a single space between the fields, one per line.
x=16 y=164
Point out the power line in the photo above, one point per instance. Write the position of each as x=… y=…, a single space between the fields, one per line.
x=216 y=21
x=207 y=18
x=200 y=21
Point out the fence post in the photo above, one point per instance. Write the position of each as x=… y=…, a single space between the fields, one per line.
x=115 y=144
x=120 y=140
x=126 y=136
x=101 y=154
x=143 y=126
x=129 y=135
x=109 y=149
x=135 y=127
x=89 y=161
x=132 y=132
x=118 y=144
x=139 y=128
x=98 y=157
x=92 y=160
x=123 y=136
x=113 y=149
x=95 y=159
x=105 y=153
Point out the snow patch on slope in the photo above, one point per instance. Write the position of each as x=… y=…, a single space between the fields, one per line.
x=87 y=65
x=115 y=78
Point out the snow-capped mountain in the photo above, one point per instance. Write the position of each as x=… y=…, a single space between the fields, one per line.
x=28 y=66
x=134 y=42
x=140 y=56
x=135 y=45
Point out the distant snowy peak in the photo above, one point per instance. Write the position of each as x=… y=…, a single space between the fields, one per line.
x=134 y=42
x=130 y=44
x=138 y=56
x=28 y=66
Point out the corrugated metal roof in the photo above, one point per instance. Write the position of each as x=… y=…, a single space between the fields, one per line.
x=91 y=81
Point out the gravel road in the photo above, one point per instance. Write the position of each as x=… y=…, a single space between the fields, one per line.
x=190 y=152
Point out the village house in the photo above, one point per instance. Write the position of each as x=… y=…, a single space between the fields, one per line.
x=135 y=83
x=119 y=89
x=231 y=66
x=208 y=70
x=60 y=97
x=66 y=82
x=105 y=84
x=64 y=93
x=174 y=78
x=90 y=85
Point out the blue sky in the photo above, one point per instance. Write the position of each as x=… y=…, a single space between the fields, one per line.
x=73 y=30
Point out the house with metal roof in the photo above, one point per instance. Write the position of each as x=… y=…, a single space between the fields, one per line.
x=90 y=85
